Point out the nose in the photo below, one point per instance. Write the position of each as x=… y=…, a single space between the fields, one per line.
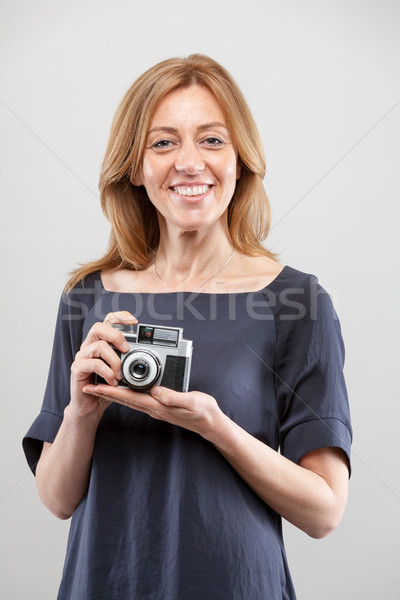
x=189 y=159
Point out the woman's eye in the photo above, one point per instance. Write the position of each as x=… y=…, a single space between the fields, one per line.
x=210 y=142
x=162 y=145
x=213 y=141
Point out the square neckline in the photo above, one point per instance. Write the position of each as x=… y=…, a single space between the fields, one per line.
x=283 y=271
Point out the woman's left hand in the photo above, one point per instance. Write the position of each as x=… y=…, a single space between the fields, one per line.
x=195 y=411
x=311 y=495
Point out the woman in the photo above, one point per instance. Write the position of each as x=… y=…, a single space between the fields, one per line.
x=179 y=495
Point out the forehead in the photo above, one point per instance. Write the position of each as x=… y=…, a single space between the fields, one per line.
x=192 y=105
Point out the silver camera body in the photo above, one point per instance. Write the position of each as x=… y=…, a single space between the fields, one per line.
x=157 y=356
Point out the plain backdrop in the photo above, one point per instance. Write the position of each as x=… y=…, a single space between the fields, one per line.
x=322 y=79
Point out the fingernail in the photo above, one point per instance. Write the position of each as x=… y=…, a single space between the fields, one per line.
x=125 y=346
x=119 y=375
x=115 y=382
x=156 y=391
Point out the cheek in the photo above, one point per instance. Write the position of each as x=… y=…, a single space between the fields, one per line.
x=148 y=174
x=155 y=176
x=229 y=168
x=231 y=175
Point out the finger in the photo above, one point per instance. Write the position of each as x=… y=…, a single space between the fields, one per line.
x=89 y=389
x=135 y=400
x=129 y=396
x=102 y=349
x=87 y=366
x=101 y=331
x=121 y=316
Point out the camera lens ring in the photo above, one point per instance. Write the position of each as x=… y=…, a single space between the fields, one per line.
x=151 y=363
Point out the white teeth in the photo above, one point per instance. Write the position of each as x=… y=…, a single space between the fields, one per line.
x=196 y=190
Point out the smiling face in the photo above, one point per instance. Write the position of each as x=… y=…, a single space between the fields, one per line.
x=189 y=166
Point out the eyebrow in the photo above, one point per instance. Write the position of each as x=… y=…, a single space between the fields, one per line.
x=200 y=128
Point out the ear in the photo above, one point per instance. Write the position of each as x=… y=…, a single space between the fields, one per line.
x=138 y=178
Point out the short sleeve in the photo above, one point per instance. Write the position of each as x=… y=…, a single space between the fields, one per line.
x=310 y=385
x=72 y=311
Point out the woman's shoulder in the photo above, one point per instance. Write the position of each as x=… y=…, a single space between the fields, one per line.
x=295 y=294
x=82 y=296
x=290 y=278
x=124 y=280
x=88 y=284
x=263 y=273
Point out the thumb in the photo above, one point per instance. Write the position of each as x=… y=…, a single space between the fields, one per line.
x=167 y=396
x=156 y=391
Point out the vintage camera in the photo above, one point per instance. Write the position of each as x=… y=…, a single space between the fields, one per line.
x=157 y=356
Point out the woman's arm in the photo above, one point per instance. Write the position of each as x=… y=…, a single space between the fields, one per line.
x=63 y=471
x=311 y=495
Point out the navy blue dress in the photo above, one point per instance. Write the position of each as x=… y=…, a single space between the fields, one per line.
x=165 y=516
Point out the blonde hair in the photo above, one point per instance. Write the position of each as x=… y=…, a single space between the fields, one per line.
x=135 y=233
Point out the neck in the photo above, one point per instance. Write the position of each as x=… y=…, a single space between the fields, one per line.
x=186 y=259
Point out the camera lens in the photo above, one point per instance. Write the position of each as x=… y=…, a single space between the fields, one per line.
x=139 y=369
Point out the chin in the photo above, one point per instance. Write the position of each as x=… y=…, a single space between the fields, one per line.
x=197 y=225
x=197 y=222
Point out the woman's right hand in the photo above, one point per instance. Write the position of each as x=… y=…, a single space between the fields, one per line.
x=63 y=471
x=97 y=356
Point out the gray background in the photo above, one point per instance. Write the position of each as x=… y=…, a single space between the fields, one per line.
x=322 y=79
